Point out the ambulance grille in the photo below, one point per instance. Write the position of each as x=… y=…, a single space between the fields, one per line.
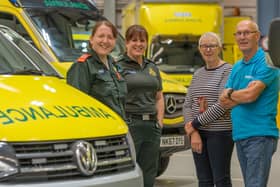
x=173 y=105
x=55 y=160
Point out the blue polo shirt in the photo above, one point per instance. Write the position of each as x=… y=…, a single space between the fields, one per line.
x=257 y=118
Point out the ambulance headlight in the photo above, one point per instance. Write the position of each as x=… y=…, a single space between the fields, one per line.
x=8 y=161
x=131 y=146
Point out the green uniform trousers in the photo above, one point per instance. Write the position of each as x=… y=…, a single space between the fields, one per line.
x=146 y=137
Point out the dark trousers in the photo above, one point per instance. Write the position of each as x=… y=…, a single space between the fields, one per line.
x=213 y=164
x=146 y=137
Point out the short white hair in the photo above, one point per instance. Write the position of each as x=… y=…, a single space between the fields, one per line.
x=210 y=34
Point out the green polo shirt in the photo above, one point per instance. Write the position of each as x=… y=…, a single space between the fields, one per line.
x=91 y=76
x=143 y=83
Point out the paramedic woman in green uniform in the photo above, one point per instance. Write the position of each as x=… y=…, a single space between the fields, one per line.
x=96 y=74
x=144 y=102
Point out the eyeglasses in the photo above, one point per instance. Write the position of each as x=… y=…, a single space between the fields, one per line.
x=244 y=33
x=205 y=46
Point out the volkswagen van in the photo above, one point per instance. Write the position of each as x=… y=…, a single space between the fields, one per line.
x=60 y=30
x=51 y=133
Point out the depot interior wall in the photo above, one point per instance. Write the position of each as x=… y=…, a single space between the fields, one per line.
x=247 y=8
x=119 y=4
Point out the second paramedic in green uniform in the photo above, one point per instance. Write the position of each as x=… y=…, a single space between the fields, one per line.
x=144 y=101
x=96 y=74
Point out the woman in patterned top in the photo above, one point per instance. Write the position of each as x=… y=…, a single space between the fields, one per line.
x=207 y=123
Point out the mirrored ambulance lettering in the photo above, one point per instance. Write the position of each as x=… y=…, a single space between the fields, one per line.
x=15 y=115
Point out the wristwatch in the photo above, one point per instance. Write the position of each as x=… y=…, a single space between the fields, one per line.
x=230 y=91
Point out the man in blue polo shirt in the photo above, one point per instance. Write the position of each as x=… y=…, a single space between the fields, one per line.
x=252 y=94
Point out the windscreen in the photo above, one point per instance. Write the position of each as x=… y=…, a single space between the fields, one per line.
x=67 y=29
x=19 y=57
x=176 y=55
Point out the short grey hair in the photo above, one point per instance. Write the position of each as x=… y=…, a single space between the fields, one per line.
x=213 y=35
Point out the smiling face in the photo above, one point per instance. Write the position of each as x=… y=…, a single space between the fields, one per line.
x=136 y=40
x=209 y=48
x=247 y=36
x=136 y=46
x=103 y=40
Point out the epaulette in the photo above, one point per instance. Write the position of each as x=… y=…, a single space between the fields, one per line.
x=83 y=58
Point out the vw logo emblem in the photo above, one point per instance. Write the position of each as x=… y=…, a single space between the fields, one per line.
x=170 y=104
x=85 y=157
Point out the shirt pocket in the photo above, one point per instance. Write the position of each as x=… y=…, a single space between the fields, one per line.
x=103 y=85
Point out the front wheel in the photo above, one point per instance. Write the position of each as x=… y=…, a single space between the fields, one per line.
x=162 y=165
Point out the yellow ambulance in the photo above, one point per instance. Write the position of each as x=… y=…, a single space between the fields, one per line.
x=51 y=133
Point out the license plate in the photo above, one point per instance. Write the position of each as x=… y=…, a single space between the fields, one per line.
x=168 y=141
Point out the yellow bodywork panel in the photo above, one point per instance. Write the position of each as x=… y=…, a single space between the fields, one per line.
x=172 y=86
x=173 y=121
x=184 y=79
x=62 y=68
x=84 y=37
x=176 y=18
x=36 y=108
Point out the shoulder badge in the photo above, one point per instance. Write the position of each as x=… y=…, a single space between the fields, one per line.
x=152 y=72
x=83 y=58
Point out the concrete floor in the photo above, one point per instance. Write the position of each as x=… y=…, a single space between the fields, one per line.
x=181 y=171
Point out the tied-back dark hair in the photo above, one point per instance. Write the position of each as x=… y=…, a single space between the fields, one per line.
x=136 y=30
x=106 y=23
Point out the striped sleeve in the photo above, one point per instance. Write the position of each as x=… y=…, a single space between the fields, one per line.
x=211 y=114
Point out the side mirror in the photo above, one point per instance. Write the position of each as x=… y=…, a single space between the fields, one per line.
x=274 y=41
x=161 y=49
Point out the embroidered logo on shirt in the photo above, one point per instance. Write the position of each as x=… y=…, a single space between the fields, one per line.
x=131 y=72
x=249 y=77
x=101 y=71
x=152 y=72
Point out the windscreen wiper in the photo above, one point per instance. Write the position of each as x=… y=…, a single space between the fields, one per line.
x=28 y=72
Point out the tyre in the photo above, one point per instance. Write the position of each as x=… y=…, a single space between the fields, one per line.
x=162 y=165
